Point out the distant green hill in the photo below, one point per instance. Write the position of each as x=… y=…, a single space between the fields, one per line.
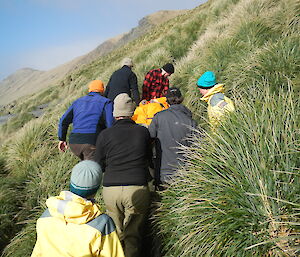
x=238 y=192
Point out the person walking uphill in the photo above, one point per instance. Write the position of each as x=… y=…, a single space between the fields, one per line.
x=124 y=151
x=123 y=80
x=73 y=225
x=170 y=128
x=213 y=94
x=89 y=114
x=156 y=82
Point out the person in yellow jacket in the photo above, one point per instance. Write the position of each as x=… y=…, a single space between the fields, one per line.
x=145 y=112
x=73 y=224
x=213 y=94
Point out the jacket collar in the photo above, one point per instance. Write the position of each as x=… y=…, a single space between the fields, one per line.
x=123 y=122
x=219 y=88
x=94 y=93
x=126 y=67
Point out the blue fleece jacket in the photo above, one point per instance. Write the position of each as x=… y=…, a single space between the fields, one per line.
x=89 y=114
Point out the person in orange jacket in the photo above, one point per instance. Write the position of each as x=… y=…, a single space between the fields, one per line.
x=145 y=112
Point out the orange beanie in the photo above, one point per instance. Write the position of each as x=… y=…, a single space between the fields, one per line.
x=96 y=86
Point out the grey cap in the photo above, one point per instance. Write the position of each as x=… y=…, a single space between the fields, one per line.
x=123 y=106
x=127 y=61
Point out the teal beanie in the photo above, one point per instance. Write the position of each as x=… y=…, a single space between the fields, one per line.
x=86 y=177
x=207 y=80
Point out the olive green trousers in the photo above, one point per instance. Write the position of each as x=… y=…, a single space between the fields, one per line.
x=128 y=206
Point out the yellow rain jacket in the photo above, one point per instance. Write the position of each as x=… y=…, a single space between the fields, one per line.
x=218 y=104
x=144 y=113
x=74 y=226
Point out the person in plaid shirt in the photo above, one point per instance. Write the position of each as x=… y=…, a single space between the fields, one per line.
x=156 y=82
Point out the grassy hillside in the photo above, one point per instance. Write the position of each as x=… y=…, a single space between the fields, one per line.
x=238 y=193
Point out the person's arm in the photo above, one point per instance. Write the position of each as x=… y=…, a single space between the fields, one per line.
x=63 y=126
x=149 y=153
x=37 y=249
x=146 y=86
x=107 y=88
x=165 y=87
x=134 y=88
x=100 y=153
x=108 y=114
x=153 y=127
x=108 y=242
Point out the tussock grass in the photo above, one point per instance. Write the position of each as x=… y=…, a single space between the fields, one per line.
x=15 y=123
x=49 y=180
x=278 y=63
x=250 y=44
x=8 y=210
x=238 y=192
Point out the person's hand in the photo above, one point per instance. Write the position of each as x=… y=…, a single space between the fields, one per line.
x=62 y=146
x=154 y=100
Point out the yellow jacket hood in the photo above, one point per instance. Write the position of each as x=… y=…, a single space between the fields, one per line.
x=74 y=226
x=219 y=88
x=72 y=208
x=218 y=105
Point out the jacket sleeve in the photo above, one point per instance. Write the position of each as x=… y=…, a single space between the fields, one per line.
x=149 y=154
x=107 y=88
x=153 y=127
x=108 y=114
x=166 y=87
x=36 y=250
x=64 y=123
x=146 y=86
x=134 y=88
x=100 y=154
x=111 y=246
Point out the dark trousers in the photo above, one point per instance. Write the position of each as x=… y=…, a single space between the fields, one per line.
x=83 y=151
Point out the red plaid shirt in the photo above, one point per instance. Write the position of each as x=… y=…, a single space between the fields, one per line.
x=155 y=85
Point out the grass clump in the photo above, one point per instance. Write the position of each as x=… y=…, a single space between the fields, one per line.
x=238 y=192
x=47 y=181
x=16 y=122
x=243 y=193
x=8 y=210
x=278 y=63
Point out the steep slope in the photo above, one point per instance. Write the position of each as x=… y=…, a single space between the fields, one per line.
x=238 y=191
x=11 y=89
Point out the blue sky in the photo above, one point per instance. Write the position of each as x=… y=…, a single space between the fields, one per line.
x=43 y=34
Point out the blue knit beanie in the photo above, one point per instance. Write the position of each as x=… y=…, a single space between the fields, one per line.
x=207 y=80
x=86 y=177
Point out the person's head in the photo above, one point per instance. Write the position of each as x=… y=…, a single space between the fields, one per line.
x=123 y=106
x=86 y=177
x=96 y=86
x=168 y=69
x=127 y=61
x=174 y=96
x=206 y=82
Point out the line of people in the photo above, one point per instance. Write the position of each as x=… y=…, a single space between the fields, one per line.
x=130 y=146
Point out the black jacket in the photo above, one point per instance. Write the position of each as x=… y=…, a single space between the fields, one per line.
x=123 y=80
x=124 y=152
x=171 y=128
